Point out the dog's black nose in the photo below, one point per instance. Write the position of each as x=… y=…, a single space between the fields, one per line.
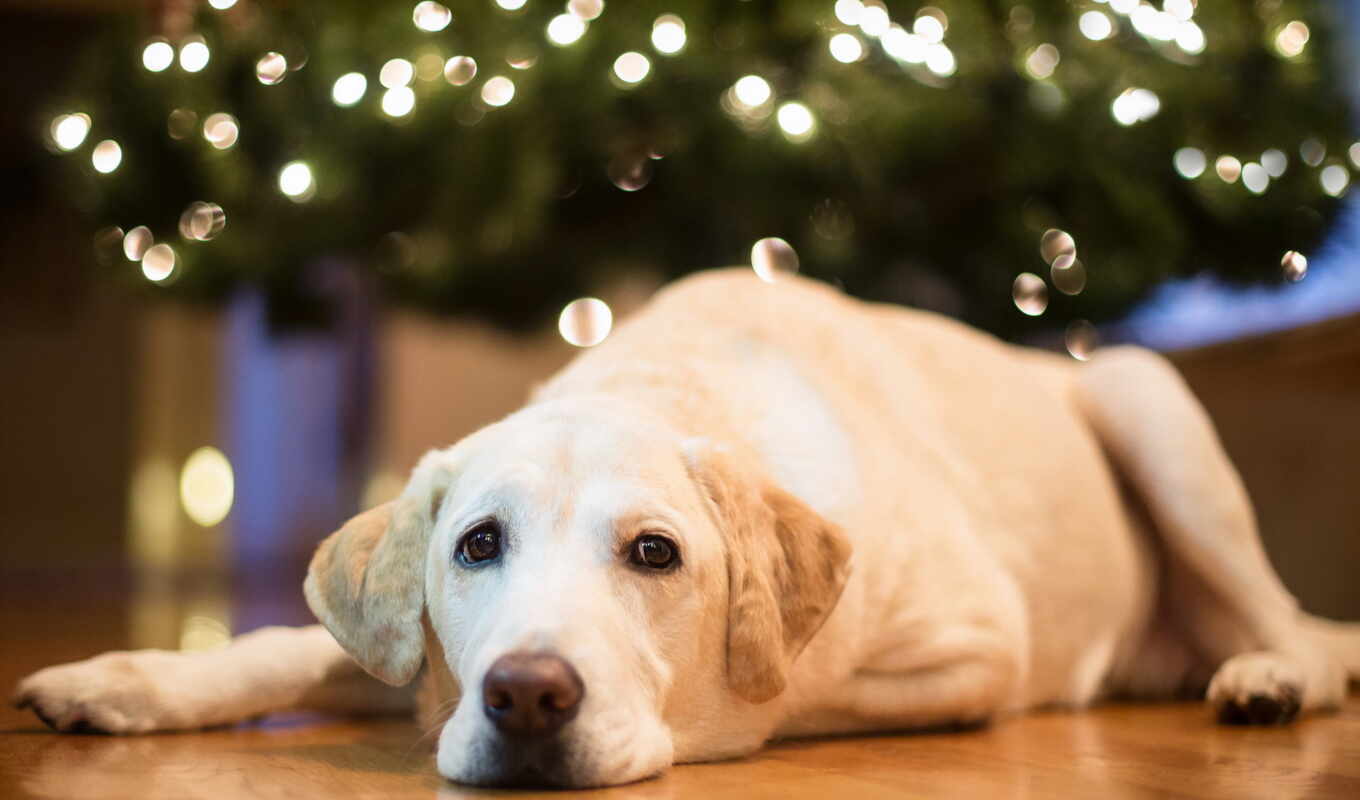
x=531 y=694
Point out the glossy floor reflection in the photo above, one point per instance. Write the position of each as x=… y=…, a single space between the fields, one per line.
x=1117 y=751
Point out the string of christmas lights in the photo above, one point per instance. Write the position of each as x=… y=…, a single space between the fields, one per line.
x=493 y=157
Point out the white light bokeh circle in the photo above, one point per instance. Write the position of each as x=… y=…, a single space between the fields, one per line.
x=632 y=67
x=668 y=34
x=158 y=55
x=585 y=322
x=796 y=121
x=396 y=72
x=1334 y=179
x=271 y=69
x=296 y=181
x=460 y=70
x=194 y=55
x=221 y=130
x=207 y=486
x=398 y=101
x=431 y=17
x=1095 y=25
x=773 y=258
x=1190 y=162
x=106 y=156
x=1294 y=266
x=585 y=9
x=846 y=48
x=498 y=91
x=565 y=29
x=1030 y=294
x=158 y=263
x=137 y=242
x=752 y=91
x=69 y=130
x=349 y=89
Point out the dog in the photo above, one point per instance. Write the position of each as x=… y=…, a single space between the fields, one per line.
x=766 y=510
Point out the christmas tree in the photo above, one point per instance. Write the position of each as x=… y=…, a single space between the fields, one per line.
x=1018 y=164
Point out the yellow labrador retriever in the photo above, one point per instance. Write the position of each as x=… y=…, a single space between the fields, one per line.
x=766 y=510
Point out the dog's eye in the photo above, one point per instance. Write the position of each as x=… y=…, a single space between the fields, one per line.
x=653 y=552
x=482 y=543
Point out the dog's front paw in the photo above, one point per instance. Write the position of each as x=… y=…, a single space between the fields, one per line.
x=111 y=693
x=1257 y=689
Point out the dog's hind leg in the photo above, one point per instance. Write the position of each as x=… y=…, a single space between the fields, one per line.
x=1222 y=592
x=267 y=670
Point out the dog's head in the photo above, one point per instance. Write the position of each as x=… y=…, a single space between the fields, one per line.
x=606 y=596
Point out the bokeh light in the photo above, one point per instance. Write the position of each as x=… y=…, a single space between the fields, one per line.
x=630 y=173
x=565 y=29
x=1255 y=178
x=106 y=156
x=221 y=5
x=498 y=91
x=1030 y=294
x=846 y=48
x=1275 y=162
x=431 y=17
x=460 y=70
x=202 y=221
x=511 y=5
x=1081 y=339
x=796 y=121
x=1134 y=105
x=194 y=54
x=158 y=264
x=296 y=181
x=398 y=101
x=1042 y=60
x=271 y=69
x=585 y=9
x=773 y=258
x=752 y=91
x=585 y=322
x=632 y=67
x=1095 y=25
x=395 y=73
x=848 y=11
x=69 y=130
x=221 y=130
x=1294 y=266
x=207 y=486
x=1291 y=39
x=668 y=34
x=940 y=60
x=349 y=89
x=137 y=242
x=1055 y=244
x=1334 y=179
x=158 y=55
x=1228 y=168
x=1190 y=162
x=1068 y=274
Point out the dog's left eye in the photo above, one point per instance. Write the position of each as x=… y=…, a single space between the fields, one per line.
x=653 y=552
x=482 y=543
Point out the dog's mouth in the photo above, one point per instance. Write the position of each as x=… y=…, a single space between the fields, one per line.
x=526 y=764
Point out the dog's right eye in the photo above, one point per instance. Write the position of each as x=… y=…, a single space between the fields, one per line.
x=482 y=543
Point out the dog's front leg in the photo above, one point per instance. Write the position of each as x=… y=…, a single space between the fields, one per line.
x=267 y=670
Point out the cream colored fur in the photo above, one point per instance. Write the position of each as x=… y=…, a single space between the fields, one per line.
x=887 y=521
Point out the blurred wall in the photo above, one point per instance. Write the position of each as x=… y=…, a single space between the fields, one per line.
x=1287 y=407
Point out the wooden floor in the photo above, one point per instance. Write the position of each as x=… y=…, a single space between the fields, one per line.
x=1170 y=750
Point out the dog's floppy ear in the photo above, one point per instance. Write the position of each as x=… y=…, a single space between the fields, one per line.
x=366 y=583
x=786 y=567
